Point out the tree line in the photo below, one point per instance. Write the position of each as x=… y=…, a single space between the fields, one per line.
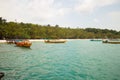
x=14 y=30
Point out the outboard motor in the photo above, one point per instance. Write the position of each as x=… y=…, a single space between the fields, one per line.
x=1 y=75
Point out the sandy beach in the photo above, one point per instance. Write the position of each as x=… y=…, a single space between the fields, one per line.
x=2 y=41
x=35 y=40
x=32 y=40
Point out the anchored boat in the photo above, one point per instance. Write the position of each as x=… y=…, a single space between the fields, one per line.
x=95 y=39
x=24 y=43
x=55 y=41
x=112 y=41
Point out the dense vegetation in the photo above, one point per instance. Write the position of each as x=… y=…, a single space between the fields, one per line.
x=13 y=30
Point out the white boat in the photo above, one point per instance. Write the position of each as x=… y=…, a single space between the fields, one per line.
x=95 y=39
x=55 y=41
x=112 y=41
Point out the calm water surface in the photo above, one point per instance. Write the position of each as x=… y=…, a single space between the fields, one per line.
x=73 y=60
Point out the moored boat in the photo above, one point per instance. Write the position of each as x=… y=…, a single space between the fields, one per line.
x=95 y=39
x=24 y=43
x=10 y=41
x=55 y=41
x=112 y=41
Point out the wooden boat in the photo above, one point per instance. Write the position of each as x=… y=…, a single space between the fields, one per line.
x=10 y=41
x=112 y=41
x=55 y=41
x=24 y=43
x=95 y=39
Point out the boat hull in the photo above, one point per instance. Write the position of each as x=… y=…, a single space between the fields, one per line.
x=95 y=40
x=111 y=41
x=24 y=44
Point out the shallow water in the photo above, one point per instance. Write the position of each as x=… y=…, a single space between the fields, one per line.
x=73 y=60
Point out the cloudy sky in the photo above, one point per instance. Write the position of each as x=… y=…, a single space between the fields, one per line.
x=65 y=13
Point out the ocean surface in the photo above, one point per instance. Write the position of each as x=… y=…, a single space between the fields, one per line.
x=73 y=60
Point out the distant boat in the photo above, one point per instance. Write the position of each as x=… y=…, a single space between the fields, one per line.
x=95 y=39
x=10 y=41
x=55 y=41
x=112 y=41
x=24 y=43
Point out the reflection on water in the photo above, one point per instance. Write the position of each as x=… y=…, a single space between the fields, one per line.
x=74 y=60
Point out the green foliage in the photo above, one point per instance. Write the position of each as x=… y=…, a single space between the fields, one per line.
x=13 y=30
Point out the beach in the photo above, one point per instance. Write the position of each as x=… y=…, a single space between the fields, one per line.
x=32 y=40
x=2 y=41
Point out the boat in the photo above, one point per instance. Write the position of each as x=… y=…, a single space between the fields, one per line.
x=55 y=41
x=10 y=41
x=111 y=41
x=95 y=39
x=24 y=43
x=18 y=40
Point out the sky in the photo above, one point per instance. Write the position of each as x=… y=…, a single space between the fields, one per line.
x=104 y=14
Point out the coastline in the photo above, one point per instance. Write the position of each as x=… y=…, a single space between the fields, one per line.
x=3 y=41
x=32 y=40
x=42 y=40
x=36 y=40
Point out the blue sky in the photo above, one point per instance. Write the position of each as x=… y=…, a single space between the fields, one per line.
x=66 y=13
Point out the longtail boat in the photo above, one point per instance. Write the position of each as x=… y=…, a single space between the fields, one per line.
x=55 y=41
x=24 y=43
x=112 y=41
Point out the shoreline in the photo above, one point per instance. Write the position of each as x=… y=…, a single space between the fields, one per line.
x=32 y=40
x=35 y=40
x=3 y=41
x=42 y=40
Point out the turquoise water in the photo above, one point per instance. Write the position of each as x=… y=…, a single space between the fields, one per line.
x=73 y=60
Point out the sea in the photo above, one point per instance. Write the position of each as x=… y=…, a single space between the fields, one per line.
x=77 y=59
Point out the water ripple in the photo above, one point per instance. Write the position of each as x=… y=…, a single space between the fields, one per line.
x=74 y=60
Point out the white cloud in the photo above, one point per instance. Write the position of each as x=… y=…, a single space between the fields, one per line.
x=96 y=20
x=114 y=15
x=40 y=8
x=63 y=11
x=28 y=10
x=111 y=20
x=88 y=6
